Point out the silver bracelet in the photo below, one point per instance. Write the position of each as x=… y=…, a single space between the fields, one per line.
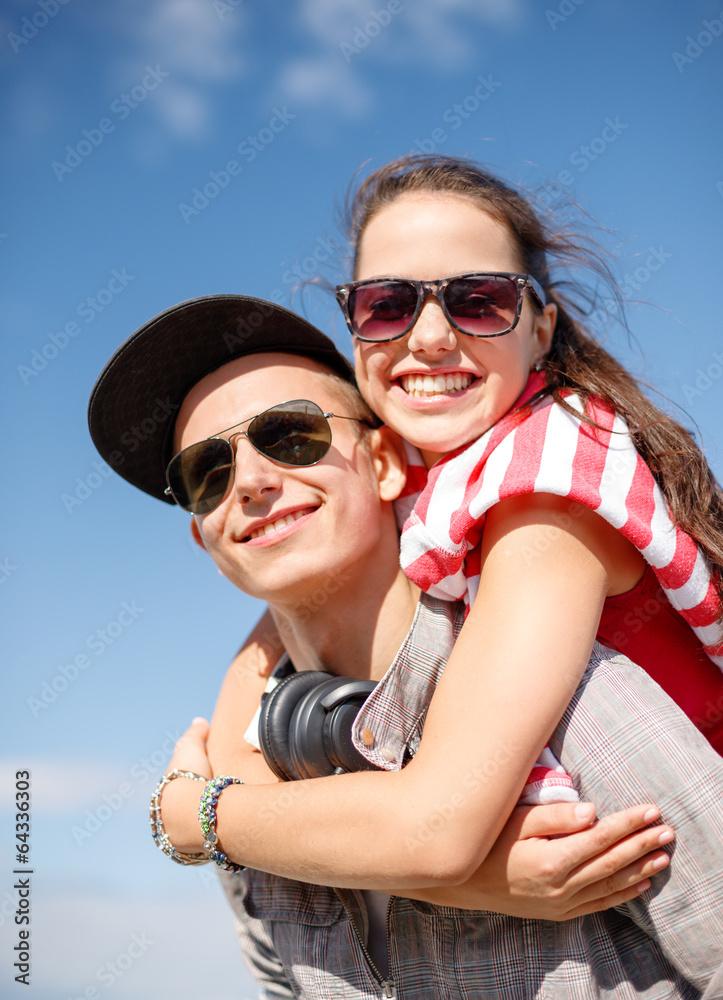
x=159 y=834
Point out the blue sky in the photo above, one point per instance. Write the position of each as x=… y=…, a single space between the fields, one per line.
x=119 y=122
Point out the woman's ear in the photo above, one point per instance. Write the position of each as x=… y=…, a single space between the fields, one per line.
x=544 y=329
x=390 y=462
x=196 y=533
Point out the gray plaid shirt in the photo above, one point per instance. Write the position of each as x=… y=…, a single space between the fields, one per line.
x=624 y=742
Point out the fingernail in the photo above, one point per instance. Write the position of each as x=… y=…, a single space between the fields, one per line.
x=198 y=718
x=651 y=814
x=660 y=863
x=642 y=886
x=584 y=811
x=666 y=837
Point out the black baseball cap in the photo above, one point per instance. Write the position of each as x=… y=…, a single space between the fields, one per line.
x=134 y=402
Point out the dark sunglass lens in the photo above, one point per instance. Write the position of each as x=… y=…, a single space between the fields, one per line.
x=199 y=476
x=292 y=437
x=381 y=310
x=482 y=306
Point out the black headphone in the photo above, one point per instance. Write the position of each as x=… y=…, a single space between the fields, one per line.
x=306 y=723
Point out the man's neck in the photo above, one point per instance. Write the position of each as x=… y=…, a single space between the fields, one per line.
x=354 y=627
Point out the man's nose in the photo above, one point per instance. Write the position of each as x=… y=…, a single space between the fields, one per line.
x=254 y=474
x=432 y=334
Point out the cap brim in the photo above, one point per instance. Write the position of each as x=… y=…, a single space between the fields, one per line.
x=135 y=400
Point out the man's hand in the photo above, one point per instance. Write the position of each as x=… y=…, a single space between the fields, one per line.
x=549 y=863
x=190 y=751
x=179 y=807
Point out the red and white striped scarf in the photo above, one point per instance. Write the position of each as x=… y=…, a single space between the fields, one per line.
x=548 y=450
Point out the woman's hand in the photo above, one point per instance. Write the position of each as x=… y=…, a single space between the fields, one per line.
x=549 y=863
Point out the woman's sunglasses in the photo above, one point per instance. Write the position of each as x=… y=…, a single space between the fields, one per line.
x=481 y=305
x=294 y=433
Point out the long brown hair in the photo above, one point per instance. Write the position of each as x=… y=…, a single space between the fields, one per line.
x=575 y=361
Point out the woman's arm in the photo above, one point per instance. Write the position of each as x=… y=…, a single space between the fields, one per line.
x=549 y=862
x=514 y=669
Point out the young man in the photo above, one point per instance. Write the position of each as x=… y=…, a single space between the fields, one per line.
x=318 y=542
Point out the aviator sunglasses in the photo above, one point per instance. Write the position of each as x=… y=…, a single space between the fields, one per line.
x=294 y=433
x=484 y=304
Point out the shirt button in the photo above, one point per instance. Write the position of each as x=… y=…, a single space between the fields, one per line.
x=367 y=737
x=387 y=754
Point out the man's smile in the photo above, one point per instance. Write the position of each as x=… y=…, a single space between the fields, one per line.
x=276 y=523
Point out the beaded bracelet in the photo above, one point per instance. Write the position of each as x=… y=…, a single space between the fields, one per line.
x=207 y=819
x=158 y=832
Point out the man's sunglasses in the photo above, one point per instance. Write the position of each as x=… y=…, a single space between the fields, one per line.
x=481 y=305
x=294 y=433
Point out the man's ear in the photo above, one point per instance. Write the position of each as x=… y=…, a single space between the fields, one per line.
x=390 y=462
x=196 y=534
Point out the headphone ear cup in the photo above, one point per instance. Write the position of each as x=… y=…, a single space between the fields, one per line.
x=307 y=750
x=338 y=730
x=277 y=710
x=320 y=741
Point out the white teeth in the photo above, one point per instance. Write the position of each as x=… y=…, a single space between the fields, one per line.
x=420 y=386
x=272 y=526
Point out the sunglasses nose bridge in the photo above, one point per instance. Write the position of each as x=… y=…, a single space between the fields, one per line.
x=432 y=331
x=253 y=472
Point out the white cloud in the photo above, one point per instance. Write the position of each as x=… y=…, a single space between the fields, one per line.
x=184 y=109
x=60 y=786
x=346 y=33
x=190 y=38
x=322 y=80
x=197 y=48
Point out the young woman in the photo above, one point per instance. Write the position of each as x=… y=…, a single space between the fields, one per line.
x=570 y=460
